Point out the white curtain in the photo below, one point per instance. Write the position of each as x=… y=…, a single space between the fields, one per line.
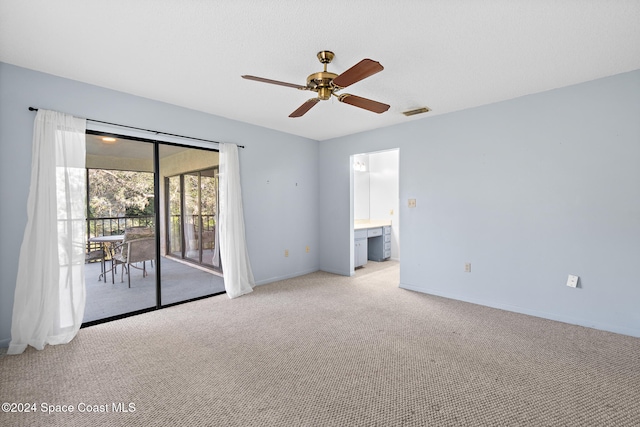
x=50 y=296
x=216 y=242
x=238 y=277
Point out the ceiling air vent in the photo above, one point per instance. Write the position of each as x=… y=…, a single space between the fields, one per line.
x=416 y=111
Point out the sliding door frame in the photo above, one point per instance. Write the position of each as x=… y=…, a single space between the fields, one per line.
x=157 y=223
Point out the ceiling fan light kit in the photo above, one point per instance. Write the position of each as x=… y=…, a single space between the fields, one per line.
x=326 y=84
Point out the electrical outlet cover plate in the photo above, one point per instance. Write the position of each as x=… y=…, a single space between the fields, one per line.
x=572 y=281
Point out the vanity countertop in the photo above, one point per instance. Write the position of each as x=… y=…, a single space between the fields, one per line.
x=361 y=224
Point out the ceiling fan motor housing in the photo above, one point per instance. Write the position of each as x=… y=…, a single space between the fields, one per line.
x=322 y=83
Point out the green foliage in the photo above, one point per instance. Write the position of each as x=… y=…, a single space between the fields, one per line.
x=120 y=193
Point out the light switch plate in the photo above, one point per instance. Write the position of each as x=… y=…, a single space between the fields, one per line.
x=572 y=281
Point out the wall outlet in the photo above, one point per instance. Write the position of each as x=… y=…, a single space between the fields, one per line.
x=572 y=281
x=412 y=203
x=286 y=252
x=467 y=267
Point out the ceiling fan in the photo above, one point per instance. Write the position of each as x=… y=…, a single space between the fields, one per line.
x=325 y=84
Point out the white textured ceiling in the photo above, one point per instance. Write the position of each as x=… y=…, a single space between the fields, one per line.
x=447 y=55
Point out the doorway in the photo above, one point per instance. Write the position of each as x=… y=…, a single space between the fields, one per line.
x=375 y=203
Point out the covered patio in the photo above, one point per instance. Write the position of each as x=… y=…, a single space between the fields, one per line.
x=180 y=281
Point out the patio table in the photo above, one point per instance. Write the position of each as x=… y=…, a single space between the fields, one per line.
x=104 y=242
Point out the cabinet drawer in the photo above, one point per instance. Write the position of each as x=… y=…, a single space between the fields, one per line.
x=373 y=232
x=387 y=238
x=387 y=246
x=387 y=230
x=387 y=254
x=359 y=234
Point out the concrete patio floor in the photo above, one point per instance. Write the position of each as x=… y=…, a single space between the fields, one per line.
x=179 y=282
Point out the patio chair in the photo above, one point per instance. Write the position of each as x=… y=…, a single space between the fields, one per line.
x=96 y=255
x=138 y=245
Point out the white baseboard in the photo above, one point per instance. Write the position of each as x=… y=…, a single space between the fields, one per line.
x=287 y=276
x=531 y=312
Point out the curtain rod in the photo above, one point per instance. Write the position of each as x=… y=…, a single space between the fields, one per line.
x=148 y=130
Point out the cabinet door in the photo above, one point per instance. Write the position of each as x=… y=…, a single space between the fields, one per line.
x=363 y=251
x=360 y=253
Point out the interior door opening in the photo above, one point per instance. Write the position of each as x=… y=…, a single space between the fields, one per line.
x=375 y=207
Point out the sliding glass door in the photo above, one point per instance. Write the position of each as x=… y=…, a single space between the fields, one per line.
x=189 y=189
x=151 y=215
x=120 y=198
x=191 y=211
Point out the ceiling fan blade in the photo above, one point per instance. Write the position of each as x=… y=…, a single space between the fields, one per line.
x=367 y=104
x=275 y=82
x=304 y=107
x=361 y=70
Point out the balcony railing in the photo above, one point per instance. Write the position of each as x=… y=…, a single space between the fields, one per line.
x=114 y=225
x=108 y=226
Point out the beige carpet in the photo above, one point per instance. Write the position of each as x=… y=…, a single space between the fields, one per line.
x=325 y=350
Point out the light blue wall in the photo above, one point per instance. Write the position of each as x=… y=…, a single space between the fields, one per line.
x=527 y=190
x=280 y=215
